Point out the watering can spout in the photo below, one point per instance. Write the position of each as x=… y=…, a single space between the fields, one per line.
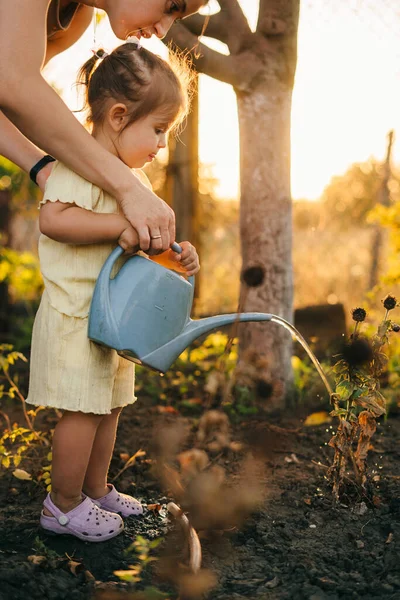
x=162 y=358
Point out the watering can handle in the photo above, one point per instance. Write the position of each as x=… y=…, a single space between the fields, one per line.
x=118 y=251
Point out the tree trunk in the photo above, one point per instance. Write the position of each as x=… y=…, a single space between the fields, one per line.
x=266 y=223
x=378 y=237
x=5 y=203
x=260 y=66
x=182 y=183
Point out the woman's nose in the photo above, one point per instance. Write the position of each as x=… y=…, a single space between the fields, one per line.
x=162 y=27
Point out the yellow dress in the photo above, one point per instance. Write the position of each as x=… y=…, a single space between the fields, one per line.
x=67 y=370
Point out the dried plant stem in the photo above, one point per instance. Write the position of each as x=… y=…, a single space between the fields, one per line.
x=129 y=463
x=6 y=418
x=21 y=397
x=193 y=538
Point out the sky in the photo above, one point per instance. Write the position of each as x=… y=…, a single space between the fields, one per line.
x=346 y=96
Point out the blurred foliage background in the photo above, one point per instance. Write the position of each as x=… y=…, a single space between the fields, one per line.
x=333 y=246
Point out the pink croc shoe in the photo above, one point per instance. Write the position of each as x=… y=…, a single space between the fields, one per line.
x=119 y=503
x=86 y=521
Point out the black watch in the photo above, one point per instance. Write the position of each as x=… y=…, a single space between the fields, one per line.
x=39 y=166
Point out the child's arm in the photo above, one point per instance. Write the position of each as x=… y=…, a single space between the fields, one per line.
x=70 y=224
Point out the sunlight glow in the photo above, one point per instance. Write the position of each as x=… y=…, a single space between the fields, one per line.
x=346 y=95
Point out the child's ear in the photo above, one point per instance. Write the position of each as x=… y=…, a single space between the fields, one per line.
x=117 y=116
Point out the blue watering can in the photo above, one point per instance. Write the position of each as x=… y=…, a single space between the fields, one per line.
x=144 y=312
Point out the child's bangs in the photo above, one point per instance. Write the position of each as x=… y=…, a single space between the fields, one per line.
x=166 y=98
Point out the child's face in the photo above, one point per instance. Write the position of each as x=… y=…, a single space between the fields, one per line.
x=140 y=142
x=148 y=17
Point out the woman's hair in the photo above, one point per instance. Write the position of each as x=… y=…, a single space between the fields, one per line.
x=141 y=80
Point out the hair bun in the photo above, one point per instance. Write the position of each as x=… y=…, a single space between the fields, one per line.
x=132 y=39
x=100 y=53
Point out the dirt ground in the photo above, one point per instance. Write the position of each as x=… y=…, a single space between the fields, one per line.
x=298 y=545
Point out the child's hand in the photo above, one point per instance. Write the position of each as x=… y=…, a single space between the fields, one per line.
x=129 y=241
x=189 y=258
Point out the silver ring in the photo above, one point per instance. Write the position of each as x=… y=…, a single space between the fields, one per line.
x=155 y=237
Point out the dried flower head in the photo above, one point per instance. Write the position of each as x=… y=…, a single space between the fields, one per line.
x=389 y=302
x=395 y=327
x=357 y=351
x=253 y=276
x=358 y=315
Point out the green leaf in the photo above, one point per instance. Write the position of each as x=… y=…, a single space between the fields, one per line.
x=345 y=389
x=340 y=412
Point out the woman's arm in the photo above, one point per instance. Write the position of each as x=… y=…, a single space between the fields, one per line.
x=36 y=110
x=16 y=147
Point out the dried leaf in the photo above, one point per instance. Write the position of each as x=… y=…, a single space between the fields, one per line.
x=88 y=576
x=360 y=509
x=128 y=575
x=170 y=410
x=21 y=474
x=389 y=538
x=317 y=418
x=236 y=446
x=193 y=460
x=36 y=559
x=374 y=402
x=292 y=459
x=75 y=567
x=273 y=583
x=155 y=508
x=367 y=423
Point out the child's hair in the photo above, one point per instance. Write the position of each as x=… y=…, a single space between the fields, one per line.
x=138 y=78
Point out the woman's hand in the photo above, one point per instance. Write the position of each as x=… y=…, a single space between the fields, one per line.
x=150 y=216
x=188 y=259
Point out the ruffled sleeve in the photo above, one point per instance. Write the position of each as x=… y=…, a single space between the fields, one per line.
x=64 y=185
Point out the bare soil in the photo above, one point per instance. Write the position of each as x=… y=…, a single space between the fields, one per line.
x=298 y=545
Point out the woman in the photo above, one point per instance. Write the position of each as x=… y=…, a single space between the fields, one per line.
x=33 y=116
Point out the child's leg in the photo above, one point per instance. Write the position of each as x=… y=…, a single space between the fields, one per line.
x=95 y=482
x=72 y=445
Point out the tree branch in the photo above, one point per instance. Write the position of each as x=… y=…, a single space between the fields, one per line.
x=233 y=12
x=240 y=71
x=205 y=60
x=229 y=26
x=217 y=26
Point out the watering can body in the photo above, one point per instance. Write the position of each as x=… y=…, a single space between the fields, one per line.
x=144 y=312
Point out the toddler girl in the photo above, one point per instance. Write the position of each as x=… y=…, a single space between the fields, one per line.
x=134 y=98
